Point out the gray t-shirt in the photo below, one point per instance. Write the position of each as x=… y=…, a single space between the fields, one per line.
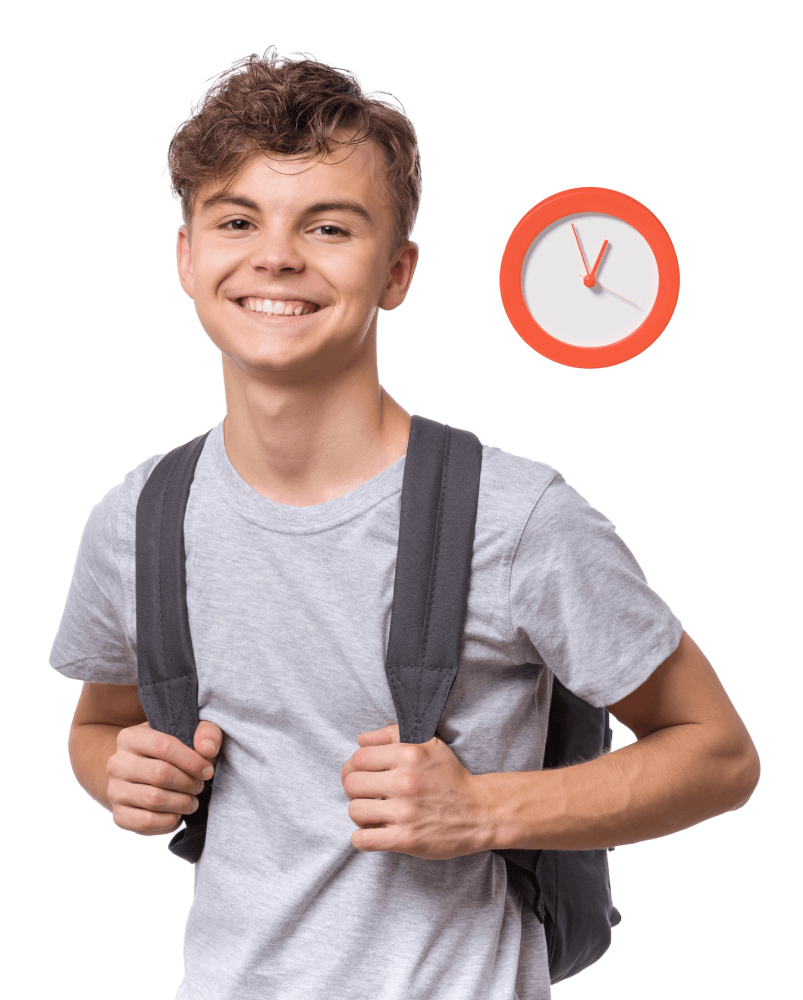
x=290 y=612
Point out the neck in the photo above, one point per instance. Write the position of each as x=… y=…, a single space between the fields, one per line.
x=306 y=443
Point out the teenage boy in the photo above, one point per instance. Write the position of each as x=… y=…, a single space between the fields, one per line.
x=299 y=195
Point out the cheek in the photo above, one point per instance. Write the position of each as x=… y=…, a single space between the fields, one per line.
x=360 y=282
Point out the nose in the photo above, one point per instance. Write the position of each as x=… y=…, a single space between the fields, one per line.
x=276 y=253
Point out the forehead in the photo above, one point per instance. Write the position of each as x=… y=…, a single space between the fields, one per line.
x=356 y=172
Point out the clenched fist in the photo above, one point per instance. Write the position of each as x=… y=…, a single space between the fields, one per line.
x=154 y=778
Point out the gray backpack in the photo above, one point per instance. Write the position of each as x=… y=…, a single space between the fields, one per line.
x=569 y=891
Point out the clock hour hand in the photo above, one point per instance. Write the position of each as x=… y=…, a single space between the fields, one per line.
x=599 y=258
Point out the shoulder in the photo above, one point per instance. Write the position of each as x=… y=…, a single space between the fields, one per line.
x=116 y=511
x=531 y=499
x=96 y=638
x=511 y=485
x=107 y=549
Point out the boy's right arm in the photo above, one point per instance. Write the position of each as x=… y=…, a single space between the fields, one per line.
x=89 y=748
x=103 y=710
x=145 y=778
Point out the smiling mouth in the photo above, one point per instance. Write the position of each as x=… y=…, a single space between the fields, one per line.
x=278 y=307
x=255 y=312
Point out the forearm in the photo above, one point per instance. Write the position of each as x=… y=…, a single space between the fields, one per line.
x=91 y=745
x=665 y=782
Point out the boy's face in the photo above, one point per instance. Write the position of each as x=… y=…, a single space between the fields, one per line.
x=316 y=237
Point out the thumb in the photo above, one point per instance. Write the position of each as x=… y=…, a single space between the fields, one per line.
x=208 y=739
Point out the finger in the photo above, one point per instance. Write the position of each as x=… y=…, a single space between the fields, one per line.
x=208 y=739
x=370 y=812
x=368 y=785
x=148 y=822
x=141 y=772
x=388 y=734
x=375 y=739
x=149 y=742
x=150 y=802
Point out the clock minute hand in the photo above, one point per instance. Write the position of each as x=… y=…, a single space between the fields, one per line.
x=580 y=248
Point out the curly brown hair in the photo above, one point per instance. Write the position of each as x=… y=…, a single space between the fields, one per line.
x=291 y=107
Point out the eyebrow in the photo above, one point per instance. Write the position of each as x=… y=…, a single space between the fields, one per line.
x=321 y=206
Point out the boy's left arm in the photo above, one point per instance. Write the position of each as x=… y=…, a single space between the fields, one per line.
x=693 y=759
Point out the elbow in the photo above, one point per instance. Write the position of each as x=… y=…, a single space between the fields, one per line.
x=751 y=776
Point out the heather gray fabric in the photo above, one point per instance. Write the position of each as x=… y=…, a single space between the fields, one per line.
x=290 y=610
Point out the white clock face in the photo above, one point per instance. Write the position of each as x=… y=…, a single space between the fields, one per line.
x=559 y=292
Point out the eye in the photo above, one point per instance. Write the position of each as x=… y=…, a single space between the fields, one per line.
x=231 y=222
x=337 y=230
x=236 y=223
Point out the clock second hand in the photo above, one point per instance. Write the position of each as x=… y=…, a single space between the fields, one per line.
x=618 y=296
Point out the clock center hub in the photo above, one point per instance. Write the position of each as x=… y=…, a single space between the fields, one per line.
x=589 y=281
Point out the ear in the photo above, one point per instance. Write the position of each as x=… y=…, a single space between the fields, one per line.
x=186 y=275
x=399 y=276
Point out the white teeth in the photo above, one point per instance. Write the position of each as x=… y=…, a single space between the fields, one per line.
x=278 y=307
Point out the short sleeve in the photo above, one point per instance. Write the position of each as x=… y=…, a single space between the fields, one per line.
x=580 y=604
x=92 y=643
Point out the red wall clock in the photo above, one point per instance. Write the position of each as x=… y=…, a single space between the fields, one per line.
x=589 y=278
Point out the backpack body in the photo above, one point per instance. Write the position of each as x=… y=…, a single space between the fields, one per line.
x=569 y=891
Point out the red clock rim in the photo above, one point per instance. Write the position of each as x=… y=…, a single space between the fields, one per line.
x=606 y=202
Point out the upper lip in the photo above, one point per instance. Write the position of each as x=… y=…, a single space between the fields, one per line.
x=277 y=297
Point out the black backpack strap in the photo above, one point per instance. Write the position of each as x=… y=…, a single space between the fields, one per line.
x=167 y=678
x=440 y=491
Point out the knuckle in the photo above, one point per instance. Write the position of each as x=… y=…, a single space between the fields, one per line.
x=163 y=744
x=157 y=822
x=408 y=784
x=145 y=822
x=160 y=772
x=149 y=820
x=410 y=754
x=153 y=797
